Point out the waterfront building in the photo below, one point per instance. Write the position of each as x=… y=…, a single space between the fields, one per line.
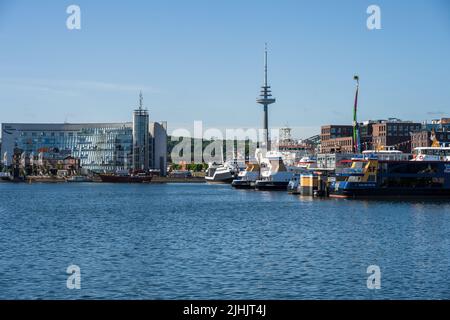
x=373 y=134
x=423 y=138
x=287 y=145
x=339 y=138
x=336 y=138
x=100 y=147
x=394 y=132
x=442 y=124
x=158 y=147
x=141 y=137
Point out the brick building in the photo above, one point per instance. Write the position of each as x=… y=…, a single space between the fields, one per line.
x=422 y=139
x=336 y=138
x=338 y=145
x=394 y=133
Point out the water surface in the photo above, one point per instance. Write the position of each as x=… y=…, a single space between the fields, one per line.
x=186 y=241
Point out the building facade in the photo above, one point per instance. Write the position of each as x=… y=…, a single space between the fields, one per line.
x=329 y=132
x=422 y=139
x=158 y=147
x=100 y=147
x=336 y=138
x=338 y=145
x=141 y=147
x=394 y=133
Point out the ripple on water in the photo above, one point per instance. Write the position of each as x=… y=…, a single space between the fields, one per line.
x=212 y=242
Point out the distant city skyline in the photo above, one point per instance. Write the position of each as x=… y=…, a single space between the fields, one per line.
x=203 y=60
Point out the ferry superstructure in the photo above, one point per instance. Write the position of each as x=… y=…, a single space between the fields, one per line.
x=371 y=177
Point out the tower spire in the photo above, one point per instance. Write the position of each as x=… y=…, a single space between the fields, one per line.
x=266 y=99
x=141 y=101
x=265 y=65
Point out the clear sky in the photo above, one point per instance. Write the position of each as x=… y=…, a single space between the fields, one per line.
x=203 y=60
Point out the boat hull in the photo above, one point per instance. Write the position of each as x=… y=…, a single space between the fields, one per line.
x=221 y=178
x=240 y=184
x=271 y=186
x=391 y=193
x=125 y=179
x=219 y=181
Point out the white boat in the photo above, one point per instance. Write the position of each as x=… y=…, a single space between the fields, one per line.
x=386 y=154
x=78 y=179
x=223 y=173
x=6 y=176
x=307 y=163
x=275 y=175
x=431 y=154
x=246 y=179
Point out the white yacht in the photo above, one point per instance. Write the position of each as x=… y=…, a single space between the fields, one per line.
x=223 y=173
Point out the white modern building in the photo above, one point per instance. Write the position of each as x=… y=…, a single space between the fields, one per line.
x=101 y=147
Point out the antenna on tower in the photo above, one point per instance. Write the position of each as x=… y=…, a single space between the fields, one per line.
x=141 y=101
x=265 y=65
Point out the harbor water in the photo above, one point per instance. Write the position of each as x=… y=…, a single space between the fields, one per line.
x=191 y=241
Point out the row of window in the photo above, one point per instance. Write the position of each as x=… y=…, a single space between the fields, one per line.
x=395 y=128
x=71 y=134
x=46 y=134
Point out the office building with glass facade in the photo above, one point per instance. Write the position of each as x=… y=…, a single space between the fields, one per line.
x=101 y=147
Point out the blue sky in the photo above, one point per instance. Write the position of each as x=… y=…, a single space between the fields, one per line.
x=203 y=60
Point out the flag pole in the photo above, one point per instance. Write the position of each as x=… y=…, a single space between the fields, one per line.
x=356 y=137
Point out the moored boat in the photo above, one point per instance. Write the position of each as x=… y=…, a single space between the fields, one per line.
x=372 y=177
x=223 y=173
x=274 y=173
x=79 y=179
x=133 y=178
x=246 y=179
x=6 y=176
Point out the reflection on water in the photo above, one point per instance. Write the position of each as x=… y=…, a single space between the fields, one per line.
x=212 y=242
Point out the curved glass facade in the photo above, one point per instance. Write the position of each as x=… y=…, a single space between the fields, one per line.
x=100 y=147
